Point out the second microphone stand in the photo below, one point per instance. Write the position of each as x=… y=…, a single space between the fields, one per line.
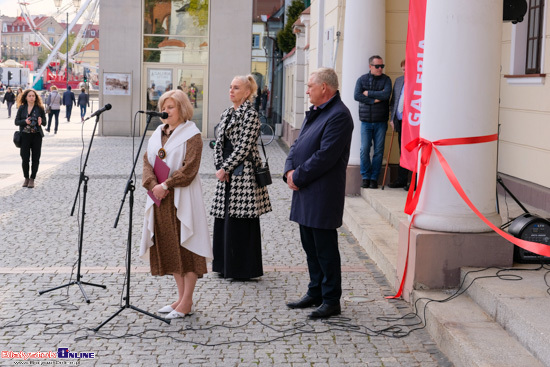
x=83 y=178
x=131 y=188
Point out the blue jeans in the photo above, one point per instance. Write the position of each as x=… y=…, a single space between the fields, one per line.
x=372 y=133
x=82 y=111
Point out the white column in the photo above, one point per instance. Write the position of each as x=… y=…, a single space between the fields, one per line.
x=460 y=95
x=364 y=36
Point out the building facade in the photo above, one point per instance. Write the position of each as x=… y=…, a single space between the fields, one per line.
x=173 y=44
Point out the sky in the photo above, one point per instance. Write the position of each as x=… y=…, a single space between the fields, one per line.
x=10 y=7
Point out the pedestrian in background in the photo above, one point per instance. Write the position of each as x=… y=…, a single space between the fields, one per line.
x=315 y=170
x=30 y=118
x=54 y=103
x=396 y=117
x=83 y=102
x=373 y=91
x=9 y=98
x=238 y=201
x=68 y=101
x=175 y=237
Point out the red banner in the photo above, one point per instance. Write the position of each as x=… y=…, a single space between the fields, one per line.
x=413 y=81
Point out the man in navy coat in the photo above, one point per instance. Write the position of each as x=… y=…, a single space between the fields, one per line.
x=316 y=170
x=68 y=100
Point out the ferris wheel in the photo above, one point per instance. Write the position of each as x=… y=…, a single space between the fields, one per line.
x=65 y=8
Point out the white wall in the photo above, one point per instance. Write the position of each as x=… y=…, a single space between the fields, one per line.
x=230 y=52
x=120 y=39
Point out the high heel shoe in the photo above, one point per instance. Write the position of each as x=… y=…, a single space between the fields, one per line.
x=177 y=315
x=166 y=309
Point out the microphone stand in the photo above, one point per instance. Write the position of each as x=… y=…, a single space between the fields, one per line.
x=130 y=188
x=83 y=178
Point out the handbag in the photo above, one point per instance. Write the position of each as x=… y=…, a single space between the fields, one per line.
x=48 y=109
x=261 y=172
x=17 y=138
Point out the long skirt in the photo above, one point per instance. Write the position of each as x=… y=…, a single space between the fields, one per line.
x=167 y=256
x=237 y=246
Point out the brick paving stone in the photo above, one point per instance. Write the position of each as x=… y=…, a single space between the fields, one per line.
x=43 y=254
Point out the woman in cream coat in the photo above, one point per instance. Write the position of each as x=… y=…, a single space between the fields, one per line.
x=175 y=234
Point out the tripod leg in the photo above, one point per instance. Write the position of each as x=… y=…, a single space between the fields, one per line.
x=58 y=287
x=83 y=292
x=109 y=319
x=95 y=285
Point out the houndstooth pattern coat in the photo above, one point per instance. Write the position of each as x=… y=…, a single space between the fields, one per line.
x=246 y=199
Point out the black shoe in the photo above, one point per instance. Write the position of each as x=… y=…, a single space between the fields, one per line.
x=373 y=184
x=305 y=302
x=396 y=185
x=325 y=311
x=365 y=184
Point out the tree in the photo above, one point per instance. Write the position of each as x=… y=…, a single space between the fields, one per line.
x=286 y=38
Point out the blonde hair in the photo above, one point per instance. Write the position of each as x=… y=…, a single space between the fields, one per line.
x=250 y=82
x=183 y=104
x=53 y=87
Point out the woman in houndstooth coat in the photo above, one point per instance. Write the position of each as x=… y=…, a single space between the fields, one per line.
x=238 y=201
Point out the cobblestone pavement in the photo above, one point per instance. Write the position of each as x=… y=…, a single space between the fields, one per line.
x=235 y=323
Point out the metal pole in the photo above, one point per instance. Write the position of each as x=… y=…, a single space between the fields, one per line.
x=67 y=65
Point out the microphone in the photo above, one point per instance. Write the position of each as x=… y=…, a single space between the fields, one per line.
x=162 y=115
x=99 y=112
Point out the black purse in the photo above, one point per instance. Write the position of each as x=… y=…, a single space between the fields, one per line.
x=261 y=172
x=17 y=138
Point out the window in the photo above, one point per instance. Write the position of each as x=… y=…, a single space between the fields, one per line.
x=92 y=33
x=51 y=40
x=51 y=30
x=18 y=28
x=534 y=36
x=93 y=47
x=255 y=41
x=527 y=51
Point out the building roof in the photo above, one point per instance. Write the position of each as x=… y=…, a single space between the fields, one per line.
x=265 y=7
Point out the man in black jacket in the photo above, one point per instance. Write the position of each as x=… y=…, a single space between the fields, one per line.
x=316 y=170
x=373 y=91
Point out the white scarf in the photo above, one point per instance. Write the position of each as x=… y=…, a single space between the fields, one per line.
x=188 y=200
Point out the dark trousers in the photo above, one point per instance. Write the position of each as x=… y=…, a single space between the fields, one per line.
x=10 y=104
x=30 y=143
x=323 y=262
x=68 y=110
x=50 y=115
x=402 y=173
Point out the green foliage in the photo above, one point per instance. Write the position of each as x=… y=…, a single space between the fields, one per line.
x=285 y=38
x=198 y=9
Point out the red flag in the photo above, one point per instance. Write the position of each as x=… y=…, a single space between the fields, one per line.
x=414 y=60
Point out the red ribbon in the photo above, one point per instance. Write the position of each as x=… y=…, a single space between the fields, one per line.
x=426 y=147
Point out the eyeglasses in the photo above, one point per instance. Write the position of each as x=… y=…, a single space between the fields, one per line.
x=381 y=66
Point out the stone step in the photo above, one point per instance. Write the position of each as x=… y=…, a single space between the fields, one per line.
x=375 y=234
x=389 y=203
x=504 y=323
x=469 y=336
x=520 y=306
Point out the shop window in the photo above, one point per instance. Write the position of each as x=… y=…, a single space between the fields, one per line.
x=175 y=32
